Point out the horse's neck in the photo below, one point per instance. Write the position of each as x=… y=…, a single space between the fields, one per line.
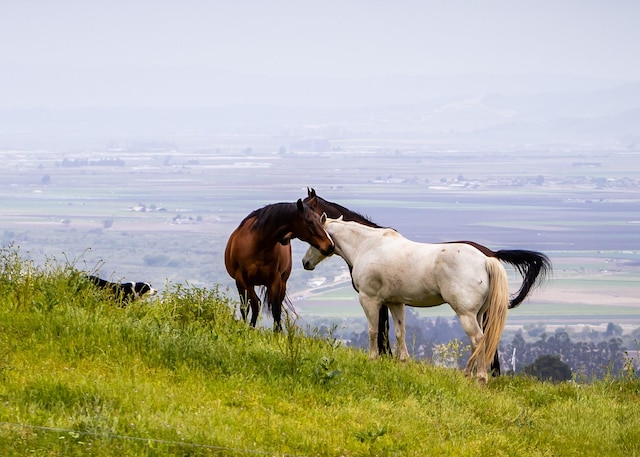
x=349 y=239
x=273 y=236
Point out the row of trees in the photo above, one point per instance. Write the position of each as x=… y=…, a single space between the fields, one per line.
x=84 y=162
x=553 y=353
x=587 y=360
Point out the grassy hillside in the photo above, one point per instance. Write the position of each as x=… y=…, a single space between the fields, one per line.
x=178 y=375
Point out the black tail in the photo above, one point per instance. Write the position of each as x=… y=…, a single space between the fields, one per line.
x=533 y=266
x=277 y=308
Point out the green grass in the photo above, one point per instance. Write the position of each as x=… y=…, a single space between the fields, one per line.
x=179 y=375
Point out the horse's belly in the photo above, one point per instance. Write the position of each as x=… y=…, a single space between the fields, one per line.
x=261 y=268
x=265 y=273
x=420 y=299
x=392 y=288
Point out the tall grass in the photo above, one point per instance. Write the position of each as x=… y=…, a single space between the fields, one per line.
x=180 y=375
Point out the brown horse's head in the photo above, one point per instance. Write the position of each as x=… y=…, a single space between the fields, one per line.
x=315 y=202
x=308 y=226
x=320 y=205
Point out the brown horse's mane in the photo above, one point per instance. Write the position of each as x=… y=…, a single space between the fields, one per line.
x=271 y=216
x=337 y=210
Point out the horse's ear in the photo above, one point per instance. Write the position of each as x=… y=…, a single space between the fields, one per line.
x=341 y=217
x=286 y=239
x=323 y=218
x=311 y=197
x=300 y=205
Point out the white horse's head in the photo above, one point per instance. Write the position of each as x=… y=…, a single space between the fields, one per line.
x=313 y=256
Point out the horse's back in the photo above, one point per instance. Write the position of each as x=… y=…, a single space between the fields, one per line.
x=459 y=255
x=393 y=250
x=421 y=274
x=460 y=260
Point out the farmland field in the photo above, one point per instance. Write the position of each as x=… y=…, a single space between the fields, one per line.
x=164 y=215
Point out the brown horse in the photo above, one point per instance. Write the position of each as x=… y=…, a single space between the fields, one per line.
x=533 y=266
x=258 y=253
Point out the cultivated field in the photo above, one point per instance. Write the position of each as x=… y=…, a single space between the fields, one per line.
x=164 y=215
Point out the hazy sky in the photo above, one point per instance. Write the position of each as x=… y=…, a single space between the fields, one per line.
x=76 y=40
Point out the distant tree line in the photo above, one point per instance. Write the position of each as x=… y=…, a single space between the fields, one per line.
x=93 y=163
x=549 y=356
x=587 y=360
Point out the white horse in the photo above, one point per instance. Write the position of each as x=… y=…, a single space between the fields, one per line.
x=392 y=270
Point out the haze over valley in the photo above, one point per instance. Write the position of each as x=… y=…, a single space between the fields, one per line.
x=134 y=138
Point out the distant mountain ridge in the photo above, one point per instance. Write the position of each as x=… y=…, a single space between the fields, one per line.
x=483 y=109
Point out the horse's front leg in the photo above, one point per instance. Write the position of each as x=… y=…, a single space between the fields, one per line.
x=397 y=311
x=243 y=292
x=371 y=309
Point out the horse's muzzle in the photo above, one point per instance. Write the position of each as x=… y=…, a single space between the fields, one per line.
x=329 y=251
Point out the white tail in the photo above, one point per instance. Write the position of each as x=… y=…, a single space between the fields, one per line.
x=496 y=313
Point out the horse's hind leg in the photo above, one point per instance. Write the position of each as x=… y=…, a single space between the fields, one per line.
x=397 y=311
x=276 y=294
x=474 y=332
x=248 y=299
x=254 y=302
x=383 y=331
